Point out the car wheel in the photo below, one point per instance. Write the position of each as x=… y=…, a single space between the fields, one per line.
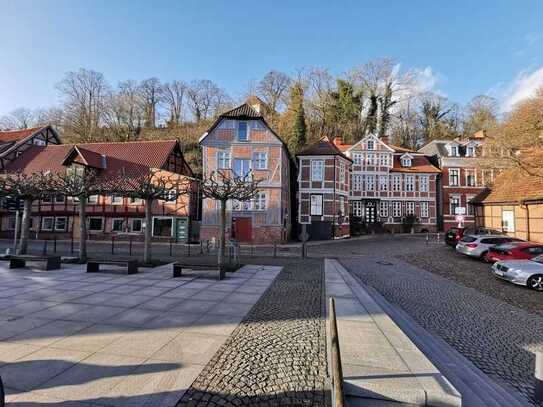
x=536 y=282
x=483 y=256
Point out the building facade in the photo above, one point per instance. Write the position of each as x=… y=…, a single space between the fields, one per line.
x=324 y=174
x=462 y=177
x=14 y=143
x=108 y=216
x=240 y=141
x=390 y=184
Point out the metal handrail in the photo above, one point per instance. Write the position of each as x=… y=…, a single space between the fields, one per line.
x=337 y=370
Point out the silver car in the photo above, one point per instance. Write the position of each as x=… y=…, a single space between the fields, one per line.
x=522 y=272
x=478 y=245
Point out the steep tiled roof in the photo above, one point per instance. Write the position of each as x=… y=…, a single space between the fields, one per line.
x=245 y=111
x=132 y=157
x=419 y=163
x=17 y=135
x=323 y=147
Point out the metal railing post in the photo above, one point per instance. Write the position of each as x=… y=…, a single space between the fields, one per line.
x=427 y=239
x=55 y=244
x=201 y=247
x=130 y=246
x=303 y=250
x=337 y=370
x=72 y=243
x=538 y=386
x=188 y=249
x=275 y=250
x=112 y=244
x=44 y=250
x=171 y=242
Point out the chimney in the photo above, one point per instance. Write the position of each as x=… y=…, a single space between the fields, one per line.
x=338 y=141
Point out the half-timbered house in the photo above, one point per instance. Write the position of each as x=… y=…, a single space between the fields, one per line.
x=14 y=142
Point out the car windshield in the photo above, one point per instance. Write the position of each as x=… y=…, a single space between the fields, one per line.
x=468 y=239
x=538 y=259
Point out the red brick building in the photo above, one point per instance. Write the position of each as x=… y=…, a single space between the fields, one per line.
x=108 y=216
x=462 y=178
x=388 y=183
x=240 y=141
x=323 y=190
x=14 y=142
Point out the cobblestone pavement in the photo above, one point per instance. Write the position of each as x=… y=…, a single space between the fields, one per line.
x=277 y=356
x=446 y=262
x=496 y=336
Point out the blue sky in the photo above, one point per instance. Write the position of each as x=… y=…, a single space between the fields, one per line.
x=467 y=47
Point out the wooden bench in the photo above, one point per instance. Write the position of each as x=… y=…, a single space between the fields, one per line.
x=19 y=261
x=93 y=266
x=178 y=269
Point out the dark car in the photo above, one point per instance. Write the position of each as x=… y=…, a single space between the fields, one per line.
x=453 y=235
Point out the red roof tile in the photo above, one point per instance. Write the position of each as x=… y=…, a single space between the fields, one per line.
x=17 y=135
x=323 y=147
x=419 y=163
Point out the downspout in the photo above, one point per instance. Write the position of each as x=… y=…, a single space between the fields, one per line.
x=334 y=213
x=525 y=206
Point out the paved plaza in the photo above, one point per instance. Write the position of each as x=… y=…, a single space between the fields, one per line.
x=69 y=338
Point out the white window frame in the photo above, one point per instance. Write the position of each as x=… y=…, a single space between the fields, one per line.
x=135 y=201
x=454 y=151
x=470 y=171
x=224 y=161
x=244 y=160
x=508 y=225
x=57 y=229
x=317 y=204
x=410 y=208
x=371 y=159
x=261 y=203
x=117 y=197
x=424 y=183
x=92 y=199
x=470 y=151
x=246 y=132
x=63 y=200
x=172 y=233
x=370 y=182
x=317 y=170
x=96 y=230
x=123 y=229
x=424 y=210
x=358 y=158
x=409 y=184
x=132 y=225
x=383 y=182
x=396 y=183
x=406 y=162
x=357 y=208
x=383 y=209
x=358 y=182
x=260 y=160
x=451 y=171
x=451 y=198
x=342 y=173
x=48 y=200
x=470 y=208
x=49 y=229
x=370 y=145
x=396 y=209
x=341 y=205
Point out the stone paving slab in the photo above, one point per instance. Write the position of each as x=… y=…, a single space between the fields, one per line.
x=379 y=361
x=73 y=339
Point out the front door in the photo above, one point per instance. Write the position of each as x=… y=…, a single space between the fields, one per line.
x=371 y=212
x=242 y=229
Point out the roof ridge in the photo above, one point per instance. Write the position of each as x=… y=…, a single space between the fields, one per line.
x=113 y=142
x=21 y=130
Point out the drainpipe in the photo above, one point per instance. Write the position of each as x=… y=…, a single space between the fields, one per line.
x=333 y=213
x=525 y=206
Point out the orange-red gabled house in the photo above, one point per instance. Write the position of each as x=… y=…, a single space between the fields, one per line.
x=14 y=142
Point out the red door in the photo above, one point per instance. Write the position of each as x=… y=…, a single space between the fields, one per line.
x=242 y=228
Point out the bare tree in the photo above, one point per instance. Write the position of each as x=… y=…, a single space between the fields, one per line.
x=173 y=95
x=18 y=119
x=205 y=99
x=151 y=93
x=84 y=93
x=124 y=114
x=223 y=188
x=28 y=188
x=273 y=89
x=481 y=113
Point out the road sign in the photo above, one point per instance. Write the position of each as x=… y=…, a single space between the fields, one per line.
x=460 y=210
x=459 y=218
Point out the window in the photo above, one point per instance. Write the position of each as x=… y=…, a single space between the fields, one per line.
x=470 y=151
x=38 y=142
x=508 y=221
x=11 y=222
x=409 y=183
x=261 y=161
x=357 y=158
x=47 y=223
x=424 y=209
x=406 y=162
x=454 y=202
x=454 y=177
x=260 y=201
x=383 y=209
x=356 y=208
x=135 y=201
x=223 y=160
x=409 y=208
x=383 y=160
x=396 y=183
x=316 y=205
x=454 y=151
x=471 y=208
x=471 y=181
x=341 y=210
x=227 y=124
x=371 y=145
x=242 y=167
x=60 y=199
x=117 y=225
x=423 y=183
x=396 y=209
x=383 y=182
x=370 y=182
x=96 y=224
x=371 y=159
x=163 y=227
x=136 y=225
x=47 y=200
x=357 y=182
x=242 y=131
x=317 y=170
x=61 y=223
x=92 y=199
x=171 y=195
x=116 y=200
x=342 y=173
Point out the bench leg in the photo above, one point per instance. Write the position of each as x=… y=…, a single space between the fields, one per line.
x=177 y=271
x=16 y=263
x=221 y=273
x=52 y=264
x=93 y=267
x=132 y=268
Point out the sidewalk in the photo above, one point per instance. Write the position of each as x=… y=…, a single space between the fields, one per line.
x=379 y=361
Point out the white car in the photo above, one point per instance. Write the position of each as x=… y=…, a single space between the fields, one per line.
x=478 y=245
x=522 y=272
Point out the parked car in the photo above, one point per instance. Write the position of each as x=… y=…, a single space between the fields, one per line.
x=453 y=235
x=522 y=272
x=513 y=251
x=478 y=245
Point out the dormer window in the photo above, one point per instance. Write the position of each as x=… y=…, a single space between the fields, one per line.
x=470 y=151
x=454 y=151
x=243 y=131
x=405 y=160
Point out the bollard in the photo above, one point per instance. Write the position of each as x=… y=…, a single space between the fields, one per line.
x=303 y=250
x=44 y=250
x=275 y=250
x=72 y=244
x=130 y=246
x=335 y=356
x=207 y=246
x=538 y=388
x=112 y=244
x=2 y=398
x=252 y=250
x=170 y=247
x=437 y=237
x=201 y=247
x=55 y=244
x=427 y=238
x=188 y=247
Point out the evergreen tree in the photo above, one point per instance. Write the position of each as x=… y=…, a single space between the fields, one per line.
x=297 y=137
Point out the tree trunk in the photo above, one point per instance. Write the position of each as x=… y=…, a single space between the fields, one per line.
x=25 y=225
x=82 y=229
x=222 y=237
x=148 y=230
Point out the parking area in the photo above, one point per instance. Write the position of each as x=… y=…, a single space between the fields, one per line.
x=78 y=339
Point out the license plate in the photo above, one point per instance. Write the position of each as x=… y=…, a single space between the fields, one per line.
x=498 y=272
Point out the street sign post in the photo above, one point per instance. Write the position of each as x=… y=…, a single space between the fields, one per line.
x=460 y=220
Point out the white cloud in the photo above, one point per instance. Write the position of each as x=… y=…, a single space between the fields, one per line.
x=523 y=87
x=425 y=80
